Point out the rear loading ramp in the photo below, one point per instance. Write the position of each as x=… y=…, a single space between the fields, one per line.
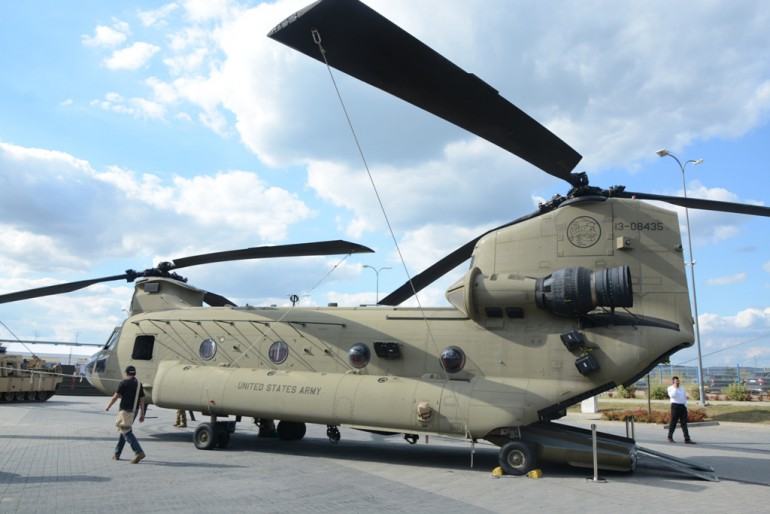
x=566 y=444
x=658 y=460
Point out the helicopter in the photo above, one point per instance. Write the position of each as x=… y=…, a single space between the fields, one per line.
x=586 y=293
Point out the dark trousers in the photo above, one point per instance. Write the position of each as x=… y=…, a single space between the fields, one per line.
x=129 y=438
x=679 y=413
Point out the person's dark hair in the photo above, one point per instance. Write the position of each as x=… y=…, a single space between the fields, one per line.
x=130 y=370
x=674 y=378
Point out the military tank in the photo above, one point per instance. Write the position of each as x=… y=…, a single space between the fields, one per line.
x=27 y=378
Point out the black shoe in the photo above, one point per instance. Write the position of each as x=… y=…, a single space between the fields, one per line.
x=671 y=439
x=689 y=441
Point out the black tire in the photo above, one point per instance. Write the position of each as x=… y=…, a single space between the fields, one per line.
x=205 y=437
x=291 y=430
x=517 y=458
x=223 y=435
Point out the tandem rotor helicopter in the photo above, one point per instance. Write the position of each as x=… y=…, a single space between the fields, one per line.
x=587 y=293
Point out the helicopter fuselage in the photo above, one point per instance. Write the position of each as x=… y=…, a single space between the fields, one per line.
x=518 y=347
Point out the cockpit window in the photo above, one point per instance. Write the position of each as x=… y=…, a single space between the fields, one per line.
x=96 y=364
x=112 y=339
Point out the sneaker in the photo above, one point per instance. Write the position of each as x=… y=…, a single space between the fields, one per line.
x=671 y=439
x=139 y=456
x=115 y=457
x=689 y=441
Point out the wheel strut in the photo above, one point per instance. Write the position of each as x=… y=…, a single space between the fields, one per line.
x=333 y=434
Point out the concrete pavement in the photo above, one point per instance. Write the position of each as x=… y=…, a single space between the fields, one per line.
x=56 y=457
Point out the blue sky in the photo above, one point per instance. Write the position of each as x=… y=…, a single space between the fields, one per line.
x=133 y=133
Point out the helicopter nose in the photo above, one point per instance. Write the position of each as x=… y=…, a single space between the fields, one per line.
x=95 y=366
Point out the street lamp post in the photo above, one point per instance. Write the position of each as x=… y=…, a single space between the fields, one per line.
x=377 y=272
x=695 y=162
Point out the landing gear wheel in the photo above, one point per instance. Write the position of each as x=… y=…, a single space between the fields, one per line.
x=205 y=437
x=333 y=434
x=291 y=430
x=223 y=435
x=517 y=458
x=411 y=438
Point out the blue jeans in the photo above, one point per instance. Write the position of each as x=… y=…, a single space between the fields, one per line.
x=132 y=441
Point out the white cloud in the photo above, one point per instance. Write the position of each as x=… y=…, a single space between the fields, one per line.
x=48 y=195
x=751 y=318
x=727 y=280
x=157 y=17
x=727 y=340
x=241 y=201
x=107 y=36
x=207 y=10
x=136 y=107
x=132 y=58
x=21 y=249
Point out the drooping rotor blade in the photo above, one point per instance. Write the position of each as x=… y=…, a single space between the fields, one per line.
x=163 y=269
x=337 y=247
x=698 y=203
x=59 y=288
x=430 y=275
x=441 y=267
x=216 y=300
x=362 y=43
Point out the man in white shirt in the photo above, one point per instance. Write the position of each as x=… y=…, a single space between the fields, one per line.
x=678 y=411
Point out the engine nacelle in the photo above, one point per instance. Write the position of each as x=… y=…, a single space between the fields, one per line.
x=579 y=290
x=568 y=291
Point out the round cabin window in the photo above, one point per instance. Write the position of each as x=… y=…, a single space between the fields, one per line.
x=278 y=352
x=208 y=349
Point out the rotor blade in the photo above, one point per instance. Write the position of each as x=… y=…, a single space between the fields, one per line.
x=430 y=275
x=216 y=300
x=362 y=43
x=698 y=203
x=59 y=288
x=441 y=267
x=265 y=252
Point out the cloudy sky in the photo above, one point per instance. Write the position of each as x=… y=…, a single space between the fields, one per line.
x=135 y=133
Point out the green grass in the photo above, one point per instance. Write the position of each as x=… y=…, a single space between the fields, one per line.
x=748 y=413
